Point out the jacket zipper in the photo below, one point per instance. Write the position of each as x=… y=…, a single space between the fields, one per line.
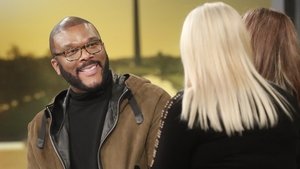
x=55 y=149
x=98 y=159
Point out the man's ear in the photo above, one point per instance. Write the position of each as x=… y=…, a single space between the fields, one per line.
x=55 y=66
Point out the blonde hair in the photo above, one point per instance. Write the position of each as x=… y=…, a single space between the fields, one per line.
x=222 y=89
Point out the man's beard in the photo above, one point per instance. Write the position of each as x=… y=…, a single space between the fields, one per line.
x=77 y=83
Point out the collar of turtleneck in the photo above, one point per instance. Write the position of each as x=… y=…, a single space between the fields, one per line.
x=86 y=96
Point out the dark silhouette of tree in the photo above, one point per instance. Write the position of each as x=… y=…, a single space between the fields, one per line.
x=290 y=9
x=136 y=33
x=14 y=52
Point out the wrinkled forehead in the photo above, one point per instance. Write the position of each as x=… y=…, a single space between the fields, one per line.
x=76 y=34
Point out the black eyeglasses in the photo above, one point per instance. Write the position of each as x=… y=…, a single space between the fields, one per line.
x=72 y=54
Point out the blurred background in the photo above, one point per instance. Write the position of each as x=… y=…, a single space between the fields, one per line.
x=141 y=37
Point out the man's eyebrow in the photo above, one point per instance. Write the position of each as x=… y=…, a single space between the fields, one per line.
x=94 y=38
x=71 y=45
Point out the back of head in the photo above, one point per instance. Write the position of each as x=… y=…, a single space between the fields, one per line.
x=214 y=42
x=65 y=23
x=222 y=89
x=276 y=47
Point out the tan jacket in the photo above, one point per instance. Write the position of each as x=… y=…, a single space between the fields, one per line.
x=126 y=141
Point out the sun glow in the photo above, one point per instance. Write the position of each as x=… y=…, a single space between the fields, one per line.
x=25 y=25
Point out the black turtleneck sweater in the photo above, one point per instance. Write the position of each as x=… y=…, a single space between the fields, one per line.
x=86 y=118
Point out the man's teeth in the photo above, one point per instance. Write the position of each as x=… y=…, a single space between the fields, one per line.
x=89 y=67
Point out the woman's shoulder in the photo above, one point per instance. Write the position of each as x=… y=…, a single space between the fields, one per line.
x=173 y=107
x=178 y=96
x=175 y=101
x=290 y=101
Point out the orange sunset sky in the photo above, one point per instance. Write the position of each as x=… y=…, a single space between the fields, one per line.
x=27 y=23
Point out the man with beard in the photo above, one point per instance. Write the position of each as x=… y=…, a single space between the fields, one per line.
x=104 y=120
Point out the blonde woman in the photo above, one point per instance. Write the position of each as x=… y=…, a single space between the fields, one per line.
x=228 y=116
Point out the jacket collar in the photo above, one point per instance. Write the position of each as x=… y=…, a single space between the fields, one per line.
x=56 y=110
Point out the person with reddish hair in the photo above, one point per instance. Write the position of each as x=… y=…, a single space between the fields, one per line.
x=276 y=47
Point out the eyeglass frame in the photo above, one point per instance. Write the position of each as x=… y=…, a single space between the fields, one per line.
x=64 y=53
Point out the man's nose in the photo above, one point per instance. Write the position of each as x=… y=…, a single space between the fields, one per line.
x=85 y=55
